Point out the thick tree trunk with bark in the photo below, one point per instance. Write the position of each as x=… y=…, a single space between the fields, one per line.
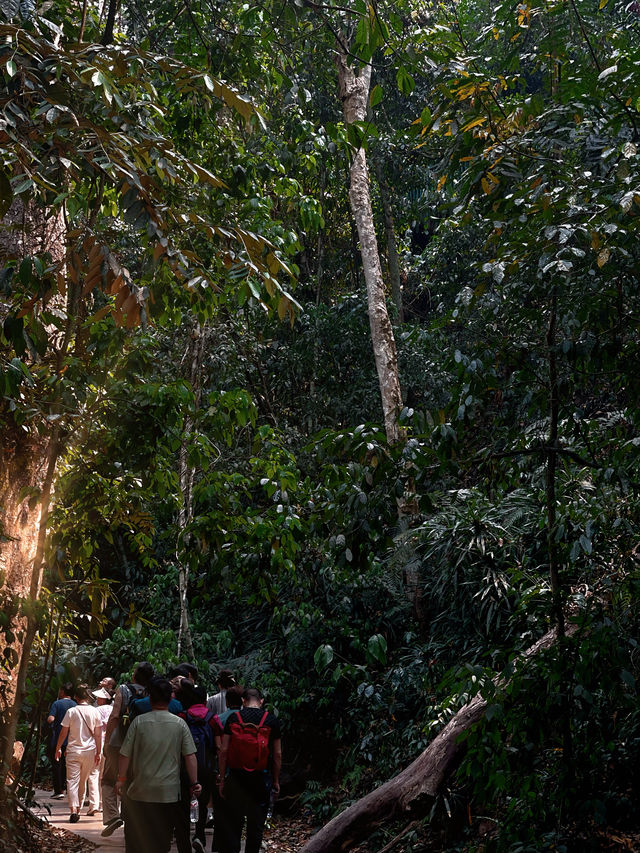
x=27 y=468
x=354 y=92
x=26 y=475
x=421 y=779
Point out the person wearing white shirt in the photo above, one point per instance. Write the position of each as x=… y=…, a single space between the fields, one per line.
x=83 y=726
x=103 y=698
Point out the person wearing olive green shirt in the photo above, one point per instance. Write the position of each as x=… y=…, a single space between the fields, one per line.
x=149 y=773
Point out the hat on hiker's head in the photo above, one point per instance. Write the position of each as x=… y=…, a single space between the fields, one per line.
x=101 y=693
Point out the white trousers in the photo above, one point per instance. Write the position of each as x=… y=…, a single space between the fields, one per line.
x=82 y=769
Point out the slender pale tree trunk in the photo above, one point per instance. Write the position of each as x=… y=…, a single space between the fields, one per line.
x=390 y=239
x=552 y=544
x=354 y=92
x=193 y=362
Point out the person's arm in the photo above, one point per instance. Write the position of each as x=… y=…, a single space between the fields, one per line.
x=50 y=719
x=114 y=719
x=64 y=731
x=276 y=765
x=123 y=766
x=222 y=761
x=97 y=736
x=191 y=765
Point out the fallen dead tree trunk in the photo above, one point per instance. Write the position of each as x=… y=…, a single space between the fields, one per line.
x=422 y=778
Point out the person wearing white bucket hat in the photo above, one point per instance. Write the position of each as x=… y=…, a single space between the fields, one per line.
x=104 y=699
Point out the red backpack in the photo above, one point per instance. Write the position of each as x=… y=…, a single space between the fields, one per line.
x=249 y=745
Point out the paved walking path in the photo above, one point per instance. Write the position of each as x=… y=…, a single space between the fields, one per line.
x=87 y=827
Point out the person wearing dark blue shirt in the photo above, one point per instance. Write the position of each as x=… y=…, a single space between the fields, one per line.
x=56 y=714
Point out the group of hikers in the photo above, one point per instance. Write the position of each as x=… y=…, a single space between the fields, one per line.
x=160 y=757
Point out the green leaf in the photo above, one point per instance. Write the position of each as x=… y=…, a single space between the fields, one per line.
x=375 y=96
x=405 y=81
x=377 y=648
x=6 y=193
x=493 y=711
x=23 y=185
x=26 y=271
x=323 y=657
x=586 y=544
x=628 y=678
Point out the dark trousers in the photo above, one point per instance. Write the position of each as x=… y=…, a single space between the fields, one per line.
x=182 y=825
x=217 y=844
x=58 y=768
x=148 y=827
x=246 y=796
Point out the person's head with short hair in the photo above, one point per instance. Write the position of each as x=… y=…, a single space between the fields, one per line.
x=252 y=698
x=225 y=679
x=189 y=671
x=109 y=684
x=160 y=691
x=82 y=693
x=192 y=694
x=233 y=697
x=177 y=682
x=143 y=673
x=66 y=690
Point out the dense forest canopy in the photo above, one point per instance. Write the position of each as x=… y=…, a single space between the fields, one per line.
x=318 y=360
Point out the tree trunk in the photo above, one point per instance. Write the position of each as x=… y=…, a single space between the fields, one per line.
x=193 y=357
x=354 y=92
x=552 y=544
x=27 y=469
x=421 y=779
x=107 y=37
x=552 y=463
x=390 y=238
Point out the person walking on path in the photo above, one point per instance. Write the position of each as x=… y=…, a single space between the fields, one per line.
x=252 y=750
x=56 y=714
x=206 y=731
x=217 y=702
x=233 y=699
x=142 y=675
x=149 y=768
x=83 y=727
x=104 y=698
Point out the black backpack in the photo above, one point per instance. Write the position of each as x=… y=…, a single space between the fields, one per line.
x=128 y=714
x=204 y=739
